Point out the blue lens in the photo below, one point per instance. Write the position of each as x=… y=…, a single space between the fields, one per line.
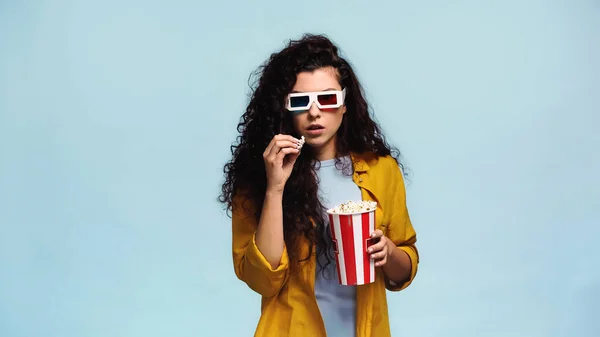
x=299 y=101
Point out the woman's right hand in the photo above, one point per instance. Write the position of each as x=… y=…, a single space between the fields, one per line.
x=280 y=156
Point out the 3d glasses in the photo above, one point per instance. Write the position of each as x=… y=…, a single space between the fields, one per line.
x=302 y=101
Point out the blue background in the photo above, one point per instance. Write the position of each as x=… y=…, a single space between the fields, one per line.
x=116 y=119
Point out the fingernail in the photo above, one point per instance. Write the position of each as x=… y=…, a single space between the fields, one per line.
x=370 y=250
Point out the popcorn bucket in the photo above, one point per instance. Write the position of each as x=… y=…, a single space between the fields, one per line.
x=351 y=234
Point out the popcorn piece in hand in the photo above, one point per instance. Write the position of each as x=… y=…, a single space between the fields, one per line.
x=354 y=207
x=302 y=141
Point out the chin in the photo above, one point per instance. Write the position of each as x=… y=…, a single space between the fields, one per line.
x=316 y=142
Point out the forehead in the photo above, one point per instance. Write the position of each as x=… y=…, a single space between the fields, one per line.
x=318 y=80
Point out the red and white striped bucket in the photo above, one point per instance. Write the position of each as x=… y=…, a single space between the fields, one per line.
x=351 y=235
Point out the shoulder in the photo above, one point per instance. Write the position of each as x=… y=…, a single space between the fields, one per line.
x=383 y=174
x=388 y=163
x=375 y=164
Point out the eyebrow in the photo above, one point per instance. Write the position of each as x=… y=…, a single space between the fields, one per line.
x=328 y=89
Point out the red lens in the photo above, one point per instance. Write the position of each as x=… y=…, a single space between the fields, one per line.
x=327 y=99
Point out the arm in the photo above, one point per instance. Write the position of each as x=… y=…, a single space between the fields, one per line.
x=259 y=253
x=250 y=264
x=269 y=235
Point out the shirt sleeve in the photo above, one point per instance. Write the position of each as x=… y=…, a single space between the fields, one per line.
x=249 y=263
x=400 y=229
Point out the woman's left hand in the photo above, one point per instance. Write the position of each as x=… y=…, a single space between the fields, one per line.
x=381 y=250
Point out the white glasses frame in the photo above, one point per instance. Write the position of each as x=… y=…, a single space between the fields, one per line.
x=340 y=98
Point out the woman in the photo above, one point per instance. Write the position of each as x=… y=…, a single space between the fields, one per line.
x=279 y=188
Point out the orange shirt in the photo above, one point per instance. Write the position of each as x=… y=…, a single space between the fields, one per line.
x=289 y=307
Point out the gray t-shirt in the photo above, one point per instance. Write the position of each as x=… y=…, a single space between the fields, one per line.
x=337 y=303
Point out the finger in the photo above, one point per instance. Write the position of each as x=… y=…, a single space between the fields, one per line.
x=277 y=152
x=270 y=146
x=280 y=144
x=284 y=156
x=286 y=138
x=281 y=141
x=292 y=157
x=381 y=263
x=285 y=151
x=379 y=255
x=379 y=246
x=377 y=233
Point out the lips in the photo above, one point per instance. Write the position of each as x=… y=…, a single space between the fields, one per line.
x=315 y=130
x=315 y=127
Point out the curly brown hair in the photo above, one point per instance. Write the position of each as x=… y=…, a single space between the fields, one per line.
x=266 y=116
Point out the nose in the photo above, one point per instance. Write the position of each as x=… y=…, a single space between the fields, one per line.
x=314 y=111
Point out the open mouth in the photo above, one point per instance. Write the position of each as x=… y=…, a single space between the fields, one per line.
x=315 y=127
